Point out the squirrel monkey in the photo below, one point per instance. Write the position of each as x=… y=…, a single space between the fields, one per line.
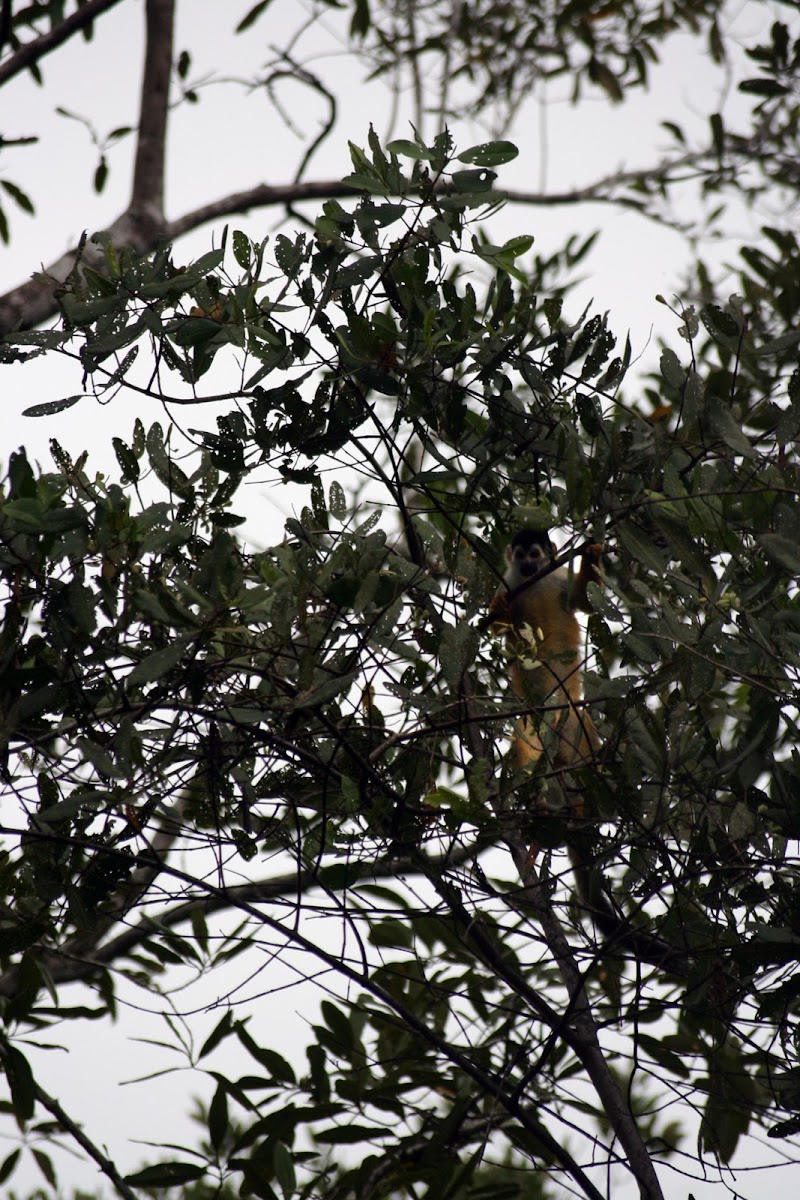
x=536 y=605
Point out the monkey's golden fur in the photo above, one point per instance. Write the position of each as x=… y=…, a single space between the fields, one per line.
x=536 y=606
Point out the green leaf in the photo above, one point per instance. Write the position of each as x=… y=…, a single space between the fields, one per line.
x=166 y=469
x=154 y=666
x=786 y=1128
x=45 y=1165
x=325 y=691
x=167 y=1174
x=518 y=245
x=787 y=341
x=337 y=501
x=391 y=933
x=17 y=194
x=14 y=939
x=664 y=1056
x=366 y=183
x=127 y=460
x=763 y=87
x=489 y=154
x=49 y=407
x=600 y=73
x=671 y=369
x=218 y=1117
x=221 y=1030
x=349 y=1135
x=241 y=249
x=100 y=176
x=284 y=1169
x=8 y=1165
x=406 y=149
x=338 y=1024
x=21 y=1083
x=360 y=21
x=479 y=180
x=458 y=645
x=317 y=1062
x=275 y=1064
x=724 y=424
x=252 y=15
x=781 y=550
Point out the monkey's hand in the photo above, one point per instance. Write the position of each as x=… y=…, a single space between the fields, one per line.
x=499 y=615
x=593 y=563
x=591 y=566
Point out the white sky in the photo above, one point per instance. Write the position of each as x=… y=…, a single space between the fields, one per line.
x=230 y=142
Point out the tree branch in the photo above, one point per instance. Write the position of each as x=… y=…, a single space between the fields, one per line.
x=78 y=960
x=263 y=195
x=147 y=193
x=5 y=23
x=94 y=1152
x=584 y=1040
x=144 y=228
x=32 y=52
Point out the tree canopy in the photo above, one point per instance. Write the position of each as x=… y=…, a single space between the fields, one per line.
x=216 y=752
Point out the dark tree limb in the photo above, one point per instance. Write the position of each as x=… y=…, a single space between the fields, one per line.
x=95 y=1153
x=583 y=1033
x=5 y=22
x=32 y=303
x=31 y=52
x=147 y=194
x=81 y=958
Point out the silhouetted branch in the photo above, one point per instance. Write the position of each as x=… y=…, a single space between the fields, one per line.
x=32 y=303
x=94 y=1152
x=147 y=193
x=78 y=960
x=31 y=52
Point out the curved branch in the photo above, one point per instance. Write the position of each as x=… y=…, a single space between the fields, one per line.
x=576 y=1026
x=32 y=52
x=32 y=303
x=263 y=195
x=78 y=960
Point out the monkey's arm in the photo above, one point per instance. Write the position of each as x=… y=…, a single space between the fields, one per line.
x=591 y=566
x=499 y=615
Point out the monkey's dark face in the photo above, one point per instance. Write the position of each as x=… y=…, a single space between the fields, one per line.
x=529 y=553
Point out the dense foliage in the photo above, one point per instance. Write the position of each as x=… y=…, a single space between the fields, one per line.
x=208 y=746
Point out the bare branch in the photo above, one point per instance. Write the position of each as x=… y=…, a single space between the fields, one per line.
x=94 y=1152
x=147 y=194
x=263 y=195
x=35 y=50
x=33 y=302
